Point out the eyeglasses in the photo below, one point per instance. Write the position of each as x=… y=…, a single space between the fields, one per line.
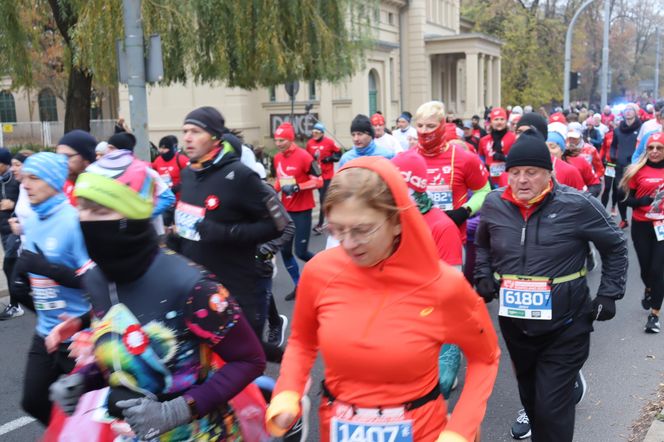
x=659 y=148
x=360 y=235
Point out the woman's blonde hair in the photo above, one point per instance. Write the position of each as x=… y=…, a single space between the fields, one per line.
x=363 y=184
x=633 y=170
x=434 y=109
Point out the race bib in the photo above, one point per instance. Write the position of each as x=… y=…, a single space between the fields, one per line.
x=441 y=196
x=285 y=181
x=659 y=230
x=610 y=171
x=46 y=293
x=187 y=218
x=525 y=299
x=351 y=424
x=497 y=169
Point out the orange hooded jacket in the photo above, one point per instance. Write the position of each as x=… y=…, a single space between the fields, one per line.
x=380 y=330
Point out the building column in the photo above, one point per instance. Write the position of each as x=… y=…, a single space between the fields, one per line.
x=489 y=81
x=472 y=82
x=497 y=81
x=480 y=84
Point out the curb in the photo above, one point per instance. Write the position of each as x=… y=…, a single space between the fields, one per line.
x=656 y=431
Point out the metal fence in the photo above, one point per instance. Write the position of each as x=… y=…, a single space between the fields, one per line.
x=47 y=133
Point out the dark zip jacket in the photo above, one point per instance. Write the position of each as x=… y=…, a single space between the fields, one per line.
x=624 y=142
x=237 y=217
x=553 y=242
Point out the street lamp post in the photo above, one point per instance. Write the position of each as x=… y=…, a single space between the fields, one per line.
x=568 y=53
x=605 y=54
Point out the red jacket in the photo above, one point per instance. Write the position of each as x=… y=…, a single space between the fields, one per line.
x=486 y=151
x=295 y=166
x=380 y=330
x=170 y=171
x=446 y=235
x=584 y=167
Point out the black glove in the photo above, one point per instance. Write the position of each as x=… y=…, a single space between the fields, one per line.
x=460 y=215
x=499 y=156
x=326 y=160
x=604 y=308
x=264 y=252
x=37 y=263
x=290 y=189
x=487 y=289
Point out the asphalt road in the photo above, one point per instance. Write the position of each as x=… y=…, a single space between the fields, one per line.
x=623 y=371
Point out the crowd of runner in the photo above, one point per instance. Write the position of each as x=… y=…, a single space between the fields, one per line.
x=153 y=281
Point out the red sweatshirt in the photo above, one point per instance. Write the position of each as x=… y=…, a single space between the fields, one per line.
x=648 y=181
x=446 y=235
x=295 y=166
x=586 y=170
x=380 y=329
x=325 y=148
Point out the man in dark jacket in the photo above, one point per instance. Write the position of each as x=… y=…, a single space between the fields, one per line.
x=532 y=243
x=8 y=196
x=620 y=156
x=224 y=211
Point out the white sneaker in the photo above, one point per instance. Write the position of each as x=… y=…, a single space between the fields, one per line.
x=11 y=312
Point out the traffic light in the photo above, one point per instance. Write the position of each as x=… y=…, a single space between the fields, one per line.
x=574 y=80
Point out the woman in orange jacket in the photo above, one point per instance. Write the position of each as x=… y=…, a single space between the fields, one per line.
x=379 y=308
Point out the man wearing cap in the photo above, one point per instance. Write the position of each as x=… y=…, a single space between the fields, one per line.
x=53 y=241
x=478 y=130
x=585 y=158
x=404 y=131
x=79 y=148
x=532 y=243
x=298 y=174
x=382 y=138
x=364 y=144
x=495 y=146
x=326 y=152
x=224 y=210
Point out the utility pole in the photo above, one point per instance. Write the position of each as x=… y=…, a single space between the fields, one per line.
x=657 y=54
x=138 y=103
x=568 y=53
x=604 y=80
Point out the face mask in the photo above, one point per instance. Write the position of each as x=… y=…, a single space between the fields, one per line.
x=433 y=142
x=123 y=249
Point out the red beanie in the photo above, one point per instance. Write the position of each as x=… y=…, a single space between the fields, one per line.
x=377 y=120
x=413 y=169
x=558 y=117
x=498 y=112
x=657 y=137
x=285 y=131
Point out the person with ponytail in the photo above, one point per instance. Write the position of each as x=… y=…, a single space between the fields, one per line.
x=644 y=184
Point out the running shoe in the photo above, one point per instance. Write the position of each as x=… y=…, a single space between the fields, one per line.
x=646 y=302
x=614 y=211
x=318 y=230
x=291 y=295
x=652 y=324
x=277 y=335
x=521 y=427
x=623 y=224
x=11 y=311
x=580 y=387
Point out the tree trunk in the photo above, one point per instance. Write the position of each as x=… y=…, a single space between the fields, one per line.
x=79 y=90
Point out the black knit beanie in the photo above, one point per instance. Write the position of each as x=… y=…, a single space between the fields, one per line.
x=123 y=140
x=82 y=142
x=169 y=142
x=361 y=123
x=529 y=150
x=207 y=118
x=535 y=120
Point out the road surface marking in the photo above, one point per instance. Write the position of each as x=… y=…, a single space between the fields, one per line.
x=16 y=424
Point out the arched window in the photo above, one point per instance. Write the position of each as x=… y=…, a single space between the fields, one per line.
x=7 y=107
x=373 y=91
x=48 y=109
